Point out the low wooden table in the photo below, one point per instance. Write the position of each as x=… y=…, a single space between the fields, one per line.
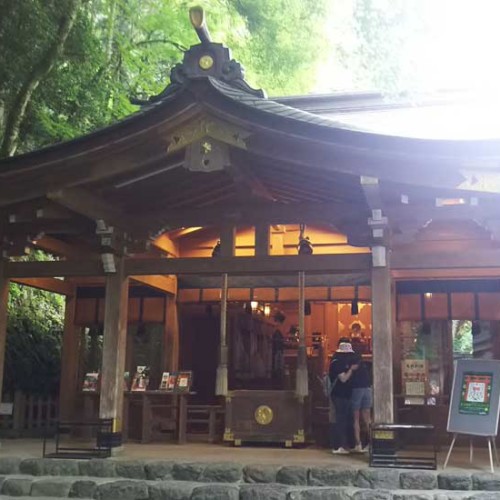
x=149 y=403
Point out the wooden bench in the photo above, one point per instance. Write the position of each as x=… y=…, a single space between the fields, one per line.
x=206 y=416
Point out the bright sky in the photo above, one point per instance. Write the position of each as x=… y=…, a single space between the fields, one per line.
x=453 y=44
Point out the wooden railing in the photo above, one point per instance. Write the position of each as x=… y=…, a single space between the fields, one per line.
x=32 y=416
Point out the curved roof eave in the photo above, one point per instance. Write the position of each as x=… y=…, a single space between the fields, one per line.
x=267 y=115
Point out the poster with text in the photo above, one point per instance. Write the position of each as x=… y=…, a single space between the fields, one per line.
x=476 y=393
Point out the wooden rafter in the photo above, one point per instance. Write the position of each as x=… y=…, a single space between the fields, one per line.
x=164 y=283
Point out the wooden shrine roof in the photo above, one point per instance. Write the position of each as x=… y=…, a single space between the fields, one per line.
x=270 y=162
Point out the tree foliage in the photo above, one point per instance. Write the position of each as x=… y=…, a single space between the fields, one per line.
x=119 y=49
x=34 y=331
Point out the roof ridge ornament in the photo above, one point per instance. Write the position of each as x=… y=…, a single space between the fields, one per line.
x=205 y=60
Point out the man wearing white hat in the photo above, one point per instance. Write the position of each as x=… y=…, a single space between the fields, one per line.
x=342 y=367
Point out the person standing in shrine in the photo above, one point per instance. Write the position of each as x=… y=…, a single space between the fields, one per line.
x=361 y=401
x=341 y=371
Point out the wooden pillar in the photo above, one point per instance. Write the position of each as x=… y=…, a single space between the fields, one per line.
x=68 y=387
x=4 y=297
x=221 y=386
x=262 y=239
x=228 y=241
x=172 y=334
x=114 y=345
x=301 y=379
x=382 y=323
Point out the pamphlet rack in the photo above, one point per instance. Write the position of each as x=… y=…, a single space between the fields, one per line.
x=101 y=449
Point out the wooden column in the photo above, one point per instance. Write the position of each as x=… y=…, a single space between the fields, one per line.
x=4 y=296
x=172 y=335
x=228 y=241
x=221 y=387
x=115 y=340
x=262 y=239
x=301 y=379
x=382 y=322
x=68 y=387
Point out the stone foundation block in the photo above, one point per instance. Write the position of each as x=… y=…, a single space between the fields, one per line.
x=454 y=481
x=452 y=495
x=159 y=470
x=222 y=473
x=418 y=480
x=171 y=490
x=188 y=471
x=216 y=492
x=98 y=467
x=412 y=495
x=9 y=465
x=83 y=488
x=61 y=467
x=486 y=481
x=378 y=479
x=17 y=486
x=260 y=473
x=372 y=495
x=263 y=491
x=130 y=469
x=32 y=466
x=321 y=494
x=327 y=476
x=124 y=489
x=292 y=474
x=57 y=487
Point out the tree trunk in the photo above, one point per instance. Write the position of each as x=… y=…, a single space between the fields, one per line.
x=40 y=71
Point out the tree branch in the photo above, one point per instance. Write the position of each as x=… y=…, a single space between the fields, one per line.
x=177 y=45
x=37 y=74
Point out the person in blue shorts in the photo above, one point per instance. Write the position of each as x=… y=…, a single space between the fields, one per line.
x=361 y=402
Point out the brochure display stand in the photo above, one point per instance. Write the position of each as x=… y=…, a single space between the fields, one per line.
x=475 y=403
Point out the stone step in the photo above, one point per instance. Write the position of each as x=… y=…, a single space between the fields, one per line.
x=112 y=478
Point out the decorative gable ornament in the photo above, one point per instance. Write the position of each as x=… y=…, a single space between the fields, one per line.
x=206 y=155
x=205 y=60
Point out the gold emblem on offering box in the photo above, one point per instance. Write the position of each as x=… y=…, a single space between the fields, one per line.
x=206 y=62
x=264 y=415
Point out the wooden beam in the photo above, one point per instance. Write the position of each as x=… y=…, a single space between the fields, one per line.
x=4 y=299
x=49 y=269
x=68 y=387
x=48 y=226
x=60 y=248
x=114 y=346
x=281 y=264
x=436 y=274
x=85 y=203
x=483 y=258
x=338 y=263
x=253 y=214
x=164 y=283
x=166 y=244
x=382 y=346
x=53 y=285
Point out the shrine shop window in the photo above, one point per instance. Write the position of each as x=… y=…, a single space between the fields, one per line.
x=439 y=322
